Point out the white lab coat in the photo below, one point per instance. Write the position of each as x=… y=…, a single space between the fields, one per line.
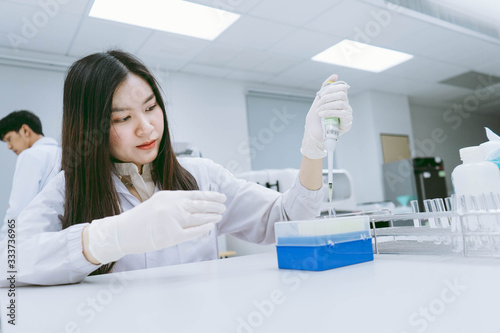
x=35 y=167
x=50 y=255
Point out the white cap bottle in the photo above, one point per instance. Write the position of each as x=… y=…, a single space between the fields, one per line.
x=475 y=175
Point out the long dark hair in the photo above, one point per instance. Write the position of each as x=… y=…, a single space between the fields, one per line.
x=88 y=94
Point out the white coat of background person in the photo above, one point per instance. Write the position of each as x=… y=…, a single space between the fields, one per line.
x=38 y=161
x=162 y=210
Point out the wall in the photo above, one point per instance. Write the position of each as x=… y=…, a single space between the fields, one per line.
x=39 y=91
x=276 y=126
x=360 y=150
x=438 y=134
x=211 y=113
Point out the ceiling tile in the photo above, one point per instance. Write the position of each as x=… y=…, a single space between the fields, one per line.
x=396 y=27
x=55 y=7
x=254 y=33
x=56 y=36
x=248 y=76
x=173 y=50
x=45 y=34
x=304 y=43
x=392 y=84
x=357 y=79
x=278 y=80
x=311 y=71
x=309 y=85
x=248 y=59
x=235 y=6
x=311 y=75
x=277 y=64
x=438 y=92
x=472 y=80
x=466 y=52
x=217 y=54
x=11 y=15
x=428 y=42
x=492 y=68
x=158 y=63
x=99 y=35
x=345 y=19
x=203 y=69
x=164 y=43
x=425 y=70
x=295 y=13
x=77 y=7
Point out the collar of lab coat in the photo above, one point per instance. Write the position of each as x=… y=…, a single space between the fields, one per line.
x=45 y=141
x=128 y=169
x=142 y=183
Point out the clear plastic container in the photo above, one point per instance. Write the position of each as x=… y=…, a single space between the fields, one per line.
x=322 y=231
x=322 y=244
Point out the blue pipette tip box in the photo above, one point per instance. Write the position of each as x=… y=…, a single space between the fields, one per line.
x=318 y=245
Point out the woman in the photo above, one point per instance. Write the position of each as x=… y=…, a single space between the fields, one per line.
x=123 y=200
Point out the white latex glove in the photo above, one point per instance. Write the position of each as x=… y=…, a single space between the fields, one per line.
x=330 y=101
x=166 y=219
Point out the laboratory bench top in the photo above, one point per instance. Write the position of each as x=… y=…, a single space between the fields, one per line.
x=249 y=294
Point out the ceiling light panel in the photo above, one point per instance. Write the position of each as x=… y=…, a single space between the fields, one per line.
x=362 y=56
x=175 y=16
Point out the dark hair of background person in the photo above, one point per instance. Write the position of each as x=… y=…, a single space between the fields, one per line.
x=88 y=94
x=15 y=120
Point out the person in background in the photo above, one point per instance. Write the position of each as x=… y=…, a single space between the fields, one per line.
x=38 y=161
x=124 y=201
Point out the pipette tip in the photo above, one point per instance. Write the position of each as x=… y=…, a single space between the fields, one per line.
x=330 y=195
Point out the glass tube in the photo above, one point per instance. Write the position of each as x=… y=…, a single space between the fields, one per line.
x=415 y=209
x=448 y=204
x=443 y=221
x=429 y=208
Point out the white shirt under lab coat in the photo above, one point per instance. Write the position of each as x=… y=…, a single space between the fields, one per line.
x=54 y=256
x=35 y=167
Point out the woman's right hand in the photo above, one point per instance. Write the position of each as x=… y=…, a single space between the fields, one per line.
x=166 y=219
x=331 y=101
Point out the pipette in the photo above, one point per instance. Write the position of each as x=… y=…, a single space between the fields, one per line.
x=331 y=130
x=331 y=134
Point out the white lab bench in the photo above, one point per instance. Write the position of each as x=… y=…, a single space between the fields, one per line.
x=393 y=293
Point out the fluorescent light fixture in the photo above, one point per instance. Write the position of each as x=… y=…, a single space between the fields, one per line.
x=366 y=57
x=176 y=16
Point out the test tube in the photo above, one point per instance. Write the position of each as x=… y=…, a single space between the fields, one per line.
x=496 y=207
x=477 y=202
x=451 y=206
x=474 y=208
x=429 y=208
x=496 y=198
x=489 y=206
x=415 y=209
x=439 y=204
x=448 y=203
x=462 y=204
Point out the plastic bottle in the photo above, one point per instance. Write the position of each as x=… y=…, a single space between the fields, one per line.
x=475 y=175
